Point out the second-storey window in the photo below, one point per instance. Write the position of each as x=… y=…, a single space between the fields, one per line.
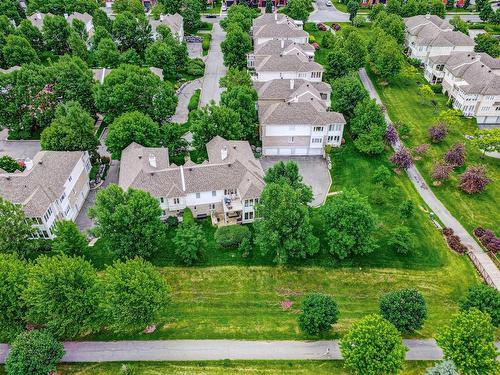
x=176 y=200
x=197 y=195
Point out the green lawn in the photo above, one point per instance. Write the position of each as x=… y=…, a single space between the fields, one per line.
x=405 y=106
x=223 y=368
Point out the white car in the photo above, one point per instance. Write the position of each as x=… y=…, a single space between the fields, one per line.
x=328 y=3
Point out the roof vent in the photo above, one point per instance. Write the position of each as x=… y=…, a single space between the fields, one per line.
x=140 y=156
x=40 y=162
x=28 y=164
x=482 y=65
x=152 y=173
x=190 y=169
x=152 y=160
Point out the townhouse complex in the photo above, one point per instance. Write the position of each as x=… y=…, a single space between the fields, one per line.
x=53 y=186
x=36 y=20
x=471 y=80
x=174 y=22
x=293 y=102
x=226 y=187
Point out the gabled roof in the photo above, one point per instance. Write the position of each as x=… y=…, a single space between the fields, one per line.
x=173 y=21
x=414 y=23
x=36 y=19
x=299 y=113
x=266 y=26
x=286 y=63
x=436 y=32
x=289 y=89
x=84 y=17
x=274 y=47
x=38 y=187
x=479 y=79
x=456 y=59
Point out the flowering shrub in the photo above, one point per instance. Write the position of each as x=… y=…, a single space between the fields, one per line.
x=391 y=134
x=488 y=239
x=454 y=241
x=438 y=132
x=441 y=171
x=474 y=180
x=402 y=158
x=455 y=155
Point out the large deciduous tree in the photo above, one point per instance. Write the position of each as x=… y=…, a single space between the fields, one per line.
x=242 y=99
x=288 y=173
x=15 y=230
x=368 y=127
x=69 y=240
x=62 y=295
x=71 y=130
x=373 y=346
x=133 y=295
x=487 y=43
x=385 y=55
x=319 y=313
x=349 y=224
x=35 y=353
x=131 y=31
x=189 y=240
x=32 y=34
x=485 y=299
x=469 y=341
x=298 y=9
x=56 y=33
x=391 y=24
x=284 y=228
x=14 y=278
x=132 y=88
x=405 y=308
x=160 y=55
x=347 y=92
x=235 y=48
x=106 y=54
x=128 y=222
x=18 y=51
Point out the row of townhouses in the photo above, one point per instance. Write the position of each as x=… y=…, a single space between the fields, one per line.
x=226 y=187
x=471 y=80
x=52 y=187
x=293 y=102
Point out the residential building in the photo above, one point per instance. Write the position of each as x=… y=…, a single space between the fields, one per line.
x=100 y=74
x=300 y=128
x=174 y=22
x=53 y=187
x=36 y=19
x=85 y=18
x=292 y=90
x=430 y=35
x=277 y=26
x=293 y=66
x=226 y=187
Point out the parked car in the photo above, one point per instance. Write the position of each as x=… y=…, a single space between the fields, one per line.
x=211 y=16
x=328 y=3
x=321 y=26
x=315 y=45
x=193 y=39
x=336 y=26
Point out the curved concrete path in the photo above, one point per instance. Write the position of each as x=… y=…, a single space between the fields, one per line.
x=184 y=95
x=481 y=260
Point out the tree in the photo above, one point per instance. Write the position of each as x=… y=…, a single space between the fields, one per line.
x=179 y=50
x=9 y=164
x=486 y=13
x=213 y=120
x=298 y=9
x=240 y=15
x=437 y=8
x=242 y=100
x=15 y=229
x=69 y=240
x=160 y=55
x=191 y=15
x=189 y=241
x=131 y=31
x=438 y=132
x=391 y=24
x=443 y=368
x=347 y=92
x=352 y=9
x=132 y=127
x=373 y=346
x=450 y=117
x=55 y=33
x=349 y=224
x=235 y=78
x=394 y=6
x=100 y=33
x=101 y=19
x=487 y=140
x=455 y=155
x=338 y=63
x=382 y=175
x=269 y=6
x=441 y=171
x=474 y=179
x=12 y=283
x=450 y=4
x=319 y=313
x=480 y=4
x=134 y=295
x=235 y=48
x=71 y=130
x=106 y=55
x=128 y=222
x=35 y=353
x=469 y=341
x=406 y=209
x=131 y=57
x=17 y=51
x=284 y=228
x=32 y=34
x=368 y=127
x=385 y=55
x=78 y=46
x=402 y=158
x=459 y=25
x=12 y=10
x=487 y=43
x=425 y=91
x=131 y=88
x=132 y=6
x=485 y=299
x=231 y=236
x=171 y=6
x=405 y=308
x=62 y=295
x=288 y=173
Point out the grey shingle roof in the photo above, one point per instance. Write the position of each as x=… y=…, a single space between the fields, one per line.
x=412 y=23
x=480 y=79
x=84 y=17
x=273 y=47
x=266 y=26
x=37 y=188
x=456 y=59
x=299 y=113
x=435 y=32
x=286 y=63
x=36 y=19
x=173 y=21
x=281 y=89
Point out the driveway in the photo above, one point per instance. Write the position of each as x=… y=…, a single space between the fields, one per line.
x=19 y=149
x=314 y=171
x=184 y=94
x=194 y=50
x=322 y=13
x=214 y=68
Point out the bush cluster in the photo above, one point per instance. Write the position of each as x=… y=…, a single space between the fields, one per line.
x=454 y=241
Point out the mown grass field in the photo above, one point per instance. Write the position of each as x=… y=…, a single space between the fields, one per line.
x=223 y=368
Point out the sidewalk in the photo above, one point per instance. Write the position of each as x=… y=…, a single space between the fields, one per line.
x=481 y=260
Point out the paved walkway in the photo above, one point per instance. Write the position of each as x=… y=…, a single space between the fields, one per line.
x=198 y=350
x=214 y=68
x=184 y=95
x=482 y=261
x=323 y=13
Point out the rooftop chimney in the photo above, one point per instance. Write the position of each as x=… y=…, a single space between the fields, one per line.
x=223 y=153
x=282 y=43
x=292 y=84
x=152 y=160
x=28 y=164
x=427 y=16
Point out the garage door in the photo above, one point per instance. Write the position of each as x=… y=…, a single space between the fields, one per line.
x=270 y=151
x=316 y=151
x=300 y=151
x=285 y=151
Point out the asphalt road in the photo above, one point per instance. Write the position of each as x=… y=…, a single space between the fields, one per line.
x=323 y=13
x=184 y=95
x=214 y=68
x=191 y=350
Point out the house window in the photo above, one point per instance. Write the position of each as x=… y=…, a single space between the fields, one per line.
x=162 y=200
x=440 y=67
x=197 y=195
x=290 y=139
x=497 y=108
x=176 y=200
x=164 y=213
x=323 y=96
x=212 y=206
x=318 y=128
x=70 y=178
x=229 y=191
x=317 y=140
x=67 y=210
x=330 y=128
x=214 y=193
x=62 y=197
x=338 y=127
x=330 y=138
x=45 y=234
x=336 y=138
x=249 y=215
